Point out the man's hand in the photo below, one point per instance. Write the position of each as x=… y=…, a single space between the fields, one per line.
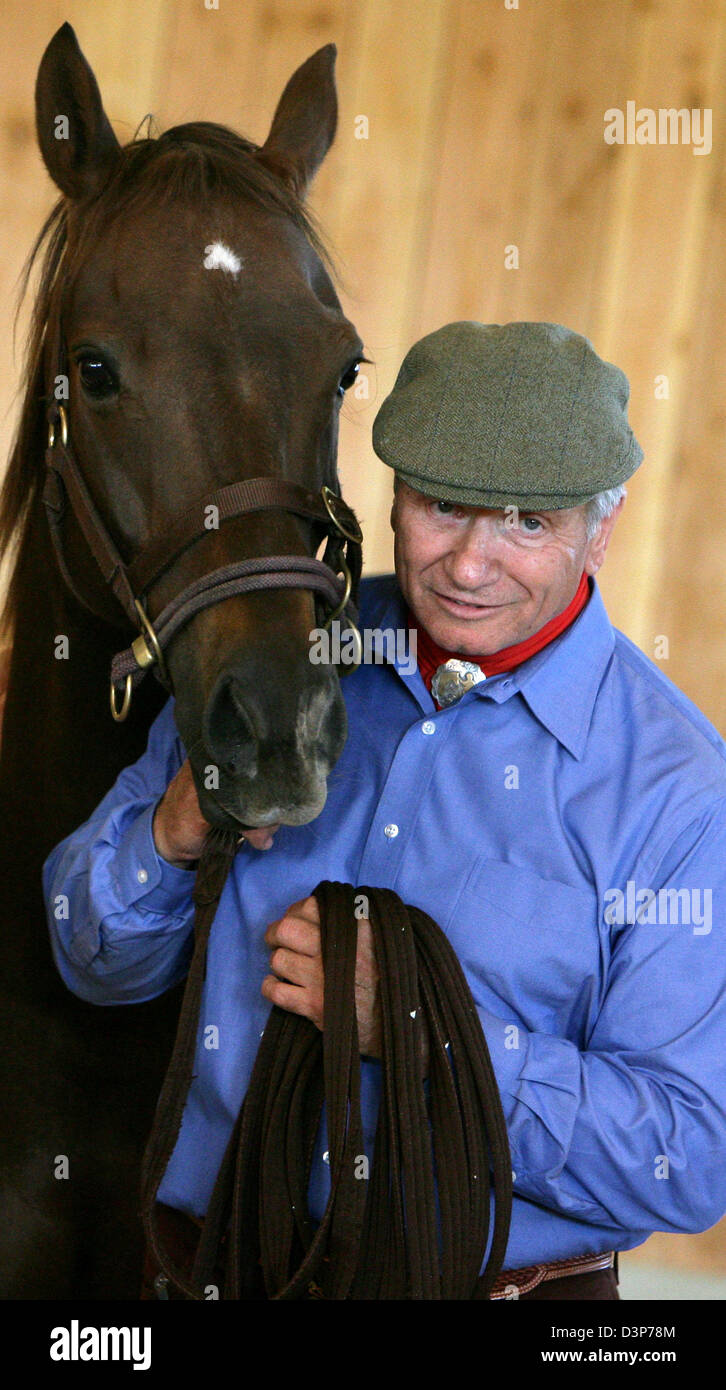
x=180 y=829
x=298 y=980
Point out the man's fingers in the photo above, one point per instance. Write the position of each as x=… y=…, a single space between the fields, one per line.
x=305 y=1002
x=299 y=929
x=184 y=794
x=306 y=908
x=296 y=968
x=296 y=934
x=178 y=826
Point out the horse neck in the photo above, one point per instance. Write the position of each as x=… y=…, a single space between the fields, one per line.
x=60 y=750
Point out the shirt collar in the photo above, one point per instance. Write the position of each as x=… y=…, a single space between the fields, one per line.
x=559 y=683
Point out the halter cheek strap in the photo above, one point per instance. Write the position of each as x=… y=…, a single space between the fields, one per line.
x=335 y=578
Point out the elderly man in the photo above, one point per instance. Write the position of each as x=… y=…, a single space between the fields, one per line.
x=535 y=784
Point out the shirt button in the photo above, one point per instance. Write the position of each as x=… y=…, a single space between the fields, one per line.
x=429 y=727
x=142 y=876
x=391 y=831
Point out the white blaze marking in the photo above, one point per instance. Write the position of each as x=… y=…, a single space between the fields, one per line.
x=217 y=256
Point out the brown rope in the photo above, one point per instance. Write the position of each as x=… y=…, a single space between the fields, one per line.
x=418 y=1228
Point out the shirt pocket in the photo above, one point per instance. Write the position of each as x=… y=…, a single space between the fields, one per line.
x=531 y=943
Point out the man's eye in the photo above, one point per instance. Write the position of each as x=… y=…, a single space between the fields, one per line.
x=443 y=508
x=531 y=524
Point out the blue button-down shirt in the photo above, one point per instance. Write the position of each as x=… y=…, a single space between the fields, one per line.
x=566 y=825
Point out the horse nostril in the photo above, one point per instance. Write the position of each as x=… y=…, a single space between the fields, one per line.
x=227 y=730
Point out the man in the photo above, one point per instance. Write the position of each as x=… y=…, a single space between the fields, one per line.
x=536 y=785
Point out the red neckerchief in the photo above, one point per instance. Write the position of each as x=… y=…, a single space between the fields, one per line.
x=431 y=656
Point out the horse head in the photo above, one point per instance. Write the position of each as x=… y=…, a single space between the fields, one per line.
x=204 y=345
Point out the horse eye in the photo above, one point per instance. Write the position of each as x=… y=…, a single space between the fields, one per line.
x=97 y=379
x=348 y=378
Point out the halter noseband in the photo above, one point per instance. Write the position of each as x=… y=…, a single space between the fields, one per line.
x=335 y=578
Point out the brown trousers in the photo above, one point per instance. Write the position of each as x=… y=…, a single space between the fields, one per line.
x=180 y=1235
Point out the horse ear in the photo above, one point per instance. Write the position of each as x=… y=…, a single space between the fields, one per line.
x=76 y=141
x=303 y=128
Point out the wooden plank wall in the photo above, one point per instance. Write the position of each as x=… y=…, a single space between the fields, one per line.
x=485 y=131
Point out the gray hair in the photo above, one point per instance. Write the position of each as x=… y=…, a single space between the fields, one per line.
x=602 y=506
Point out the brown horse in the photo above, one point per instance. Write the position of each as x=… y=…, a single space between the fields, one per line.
x=203 y=342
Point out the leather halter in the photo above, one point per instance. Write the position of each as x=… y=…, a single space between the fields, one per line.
x=131 y=583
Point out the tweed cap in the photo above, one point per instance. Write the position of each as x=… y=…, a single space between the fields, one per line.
x=522 y=414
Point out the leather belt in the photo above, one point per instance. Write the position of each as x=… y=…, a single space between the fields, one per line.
x=512 y=1283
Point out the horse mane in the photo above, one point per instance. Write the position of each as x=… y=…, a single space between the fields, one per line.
x=187 y=164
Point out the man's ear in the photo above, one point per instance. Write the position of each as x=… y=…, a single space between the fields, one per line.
x=303 y=128
x=76 y=141
x=600 y=541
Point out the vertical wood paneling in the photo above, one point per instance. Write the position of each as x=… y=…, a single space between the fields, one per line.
x=373 y=198
x=230 y=65
x=690 y=590
x=648 y=324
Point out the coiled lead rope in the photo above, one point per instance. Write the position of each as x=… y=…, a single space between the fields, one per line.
x=418 y=1228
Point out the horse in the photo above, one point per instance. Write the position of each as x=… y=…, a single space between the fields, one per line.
x=186 y=338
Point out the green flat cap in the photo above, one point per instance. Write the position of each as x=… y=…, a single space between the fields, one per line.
x=522 y=414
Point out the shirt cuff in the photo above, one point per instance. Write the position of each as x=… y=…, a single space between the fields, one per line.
x=507 y=1044
x=147 y=880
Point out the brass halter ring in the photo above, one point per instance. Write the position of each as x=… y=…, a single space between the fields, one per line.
x=146 y=650
x=120 y=714
x=346 y=594
x=64 y=428
x=357 y=648
x=351 y=627
x=331 y=501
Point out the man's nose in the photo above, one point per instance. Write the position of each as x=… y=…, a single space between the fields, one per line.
x=472 y=559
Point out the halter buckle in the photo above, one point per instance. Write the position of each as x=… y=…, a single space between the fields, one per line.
x=146 y=652
x=143 y=655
